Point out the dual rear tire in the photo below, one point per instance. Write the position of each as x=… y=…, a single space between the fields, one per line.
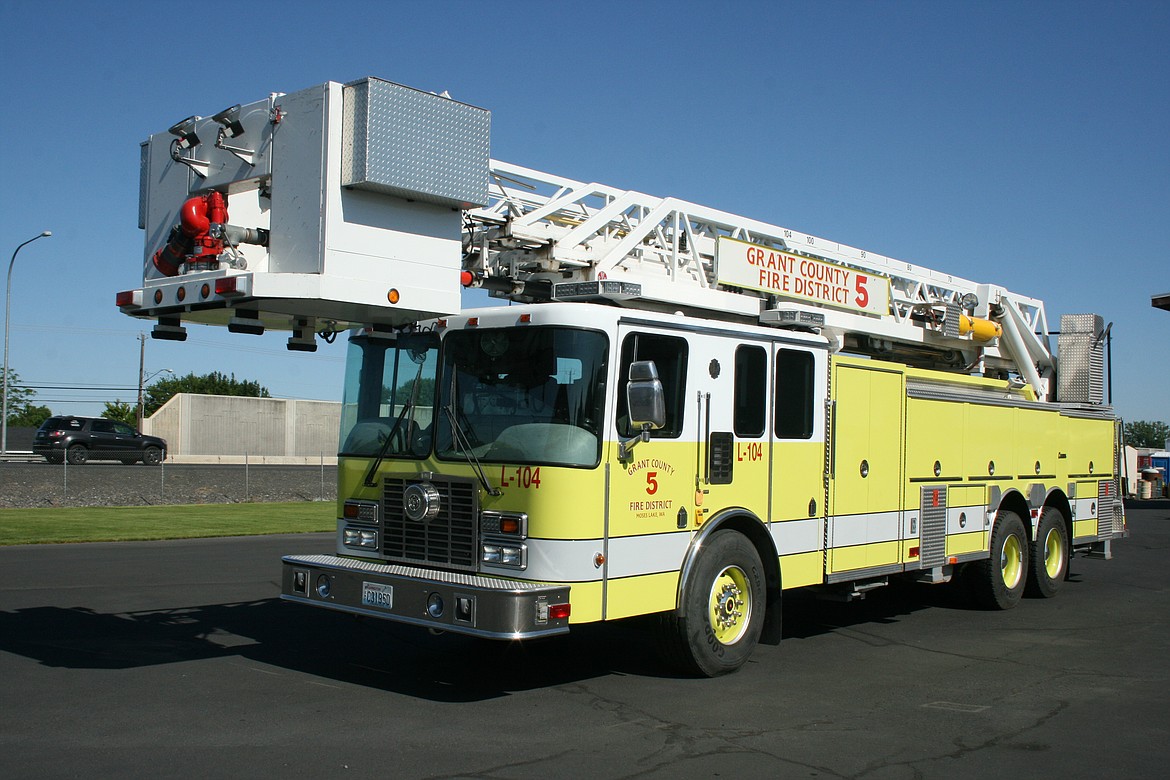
x=1017 y=565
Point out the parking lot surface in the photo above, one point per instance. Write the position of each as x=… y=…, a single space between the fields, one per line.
x=176 y=659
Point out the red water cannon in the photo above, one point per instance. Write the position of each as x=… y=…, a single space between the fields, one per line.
x=202 y=234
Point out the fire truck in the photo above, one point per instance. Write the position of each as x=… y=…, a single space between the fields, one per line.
x=674 y=411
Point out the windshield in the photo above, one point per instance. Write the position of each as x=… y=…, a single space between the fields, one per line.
x=529 y=394
x=389 y=396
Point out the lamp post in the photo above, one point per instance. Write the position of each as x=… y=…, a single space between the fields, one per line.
x=7 y=311
x=142 y=380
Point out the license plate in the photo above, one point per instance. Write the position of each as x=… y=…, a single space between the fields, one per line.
x=375 y=594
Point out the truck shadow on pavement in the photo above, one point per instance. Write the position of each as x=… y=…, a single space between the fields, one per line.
x=392 y=657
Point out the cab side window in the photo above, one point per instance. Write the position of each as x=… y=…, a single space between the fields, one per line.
x=751 y=390
x=669 y=354
x=794 y=394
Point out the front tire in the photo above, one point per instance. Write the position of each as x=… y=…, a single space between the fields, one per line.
x=999 y=581
x=724 y=600
x=152 y=456
x=77 y=455
x=1049 y=555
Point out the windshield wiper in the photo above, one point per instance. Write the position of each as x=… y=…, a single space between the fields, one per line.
x=369 y=480
x=385 y=448
x=462 y=443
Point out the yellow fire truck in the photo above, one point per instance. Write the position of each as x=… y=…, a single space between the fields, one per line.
x=681 y=411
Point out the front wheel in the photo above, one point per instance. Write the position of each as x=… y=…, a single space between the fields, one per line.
x=152 y=456
x=1049 y=554
x=998 y=582
x=724 y=601
x=77 y=455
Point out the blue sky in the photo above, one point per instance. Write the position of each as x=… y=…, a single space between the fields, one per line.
x=1022 y=144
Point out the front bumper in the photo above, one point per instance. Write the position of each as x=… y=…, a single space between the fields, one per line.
x=468 y=603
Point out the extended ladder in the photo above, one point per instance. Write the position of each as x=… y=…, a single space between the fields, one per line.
x=546 y=237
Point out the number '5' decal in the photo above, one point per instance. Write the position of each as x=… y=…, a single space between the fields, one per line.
x=651 y=482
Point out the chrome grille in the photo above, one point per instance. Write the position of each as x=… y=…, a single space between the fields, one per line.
x=448 y=540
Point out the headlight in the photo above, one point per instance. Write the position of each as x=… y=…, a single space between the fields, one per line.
x=514 y=556
x=360 y=537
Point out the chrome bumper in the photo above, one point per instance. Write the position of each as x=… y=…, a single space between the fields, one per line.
x=461 y=603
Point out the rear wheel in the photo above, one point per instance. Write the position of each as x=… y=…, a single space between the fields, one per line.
x=1049 y=554
x=998 y=582
x=152 y=456
x=77 y=455
x=723 y=600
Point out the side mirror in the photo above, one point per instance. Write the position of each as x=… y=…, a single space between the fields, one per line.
x=644 y=397
x=645 y=402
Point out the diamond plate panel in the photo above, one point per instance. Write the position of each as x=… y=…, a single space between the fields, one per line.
x=1081 y=367
x=415 y=145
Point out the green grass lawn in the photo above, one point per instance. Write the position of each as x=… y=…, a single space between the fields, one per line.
x=117 y=523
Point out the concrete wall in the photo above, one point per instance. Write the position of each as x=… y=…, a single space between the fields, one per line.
x=230 y=429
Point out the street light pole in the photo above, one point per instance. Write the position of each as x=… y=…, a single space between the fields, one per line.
x=143 y=379
x=7 y=312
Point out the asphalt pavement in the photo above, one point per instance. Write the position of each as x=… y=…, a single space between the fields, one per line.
x=176 y=659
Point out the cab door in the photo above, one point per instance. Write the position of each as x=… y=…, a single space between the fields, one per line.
x=652 y=487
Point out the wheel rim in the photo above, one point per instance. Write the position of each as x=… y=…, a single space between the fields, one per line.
x=1011 y=561
x=730 y=605
x=1053 y=553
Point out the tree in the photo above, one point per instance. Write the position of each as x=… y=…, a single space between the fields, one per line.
x=20 y=407
x=214 y=383
x=1142 y=433
x=122 y=412
x=29 y=417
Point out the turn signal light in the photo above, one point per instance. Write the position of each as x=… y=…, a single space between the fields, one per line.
x=559 y=611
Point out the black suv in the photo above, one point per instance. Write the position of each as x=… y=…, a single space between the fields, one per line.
x=81 y=439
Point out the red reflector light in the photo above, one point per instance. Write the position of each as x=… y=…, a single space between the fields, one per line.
x=953 y=560
x=225 y=286
x=914 y=552
x=473 y=321
x=465 y=278
x=559 y=611
x=525 y=318
x=125 y=298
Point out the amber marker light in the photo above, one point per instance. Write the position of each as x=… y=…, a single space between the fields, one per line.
x=393 y=295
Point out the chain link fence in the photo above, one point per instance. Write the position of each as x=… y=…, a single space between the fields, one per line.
x=32 y=483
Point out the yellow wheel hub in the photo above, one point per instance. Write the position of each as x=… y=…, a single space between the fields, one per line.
x=1011 y=562
x=1053 y=554
x=730 y=605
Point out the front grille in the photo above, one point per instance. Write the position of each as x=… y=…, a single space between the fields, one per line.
x=448 y=540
